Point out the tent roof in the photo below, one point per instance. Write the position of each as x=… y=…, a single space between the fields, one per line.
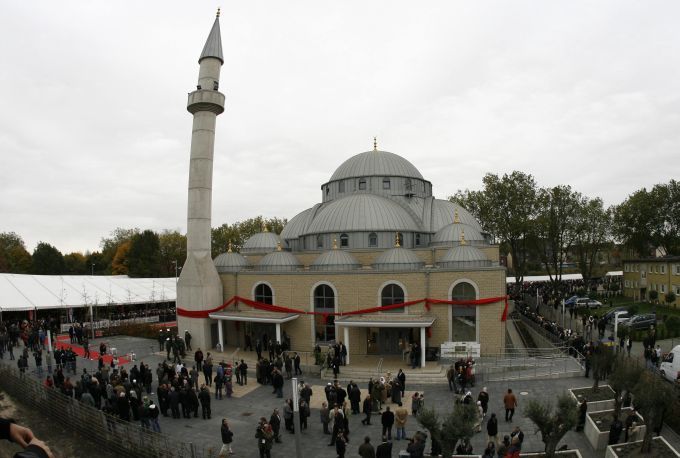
x=28 y=292
x=545 y=278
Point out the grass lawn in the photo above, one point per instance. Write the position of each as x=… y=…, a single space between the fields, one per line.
x=642 y=307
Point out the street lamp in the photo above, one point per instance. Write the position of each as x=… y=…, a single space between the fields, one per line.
x=177 y=269
x=92 y=269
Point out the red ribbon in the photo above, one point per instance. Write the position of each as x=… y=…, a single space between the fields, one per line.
x=279 y=309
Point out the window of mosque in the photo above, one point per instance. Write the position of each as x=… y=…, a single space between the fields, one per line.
x=324 y=302
x=344 y=240
x=392 y=294
x=362 y=184
x=400 y=237
x=372 y=239
x=264 y=294
x=341 y=186
x=328 y=190
x=417 y=239
x=319 y=241
x=464 y=317
x=408 y=185
x=386 y=183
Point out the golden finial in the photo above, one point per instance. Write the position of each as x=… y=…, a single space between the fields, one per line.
x=375 y=144
x=335 y=244
x=218 y=11
x=396 y=240
x=456 y=218
x=229 y=249
x=278 y=246
x=462 y=237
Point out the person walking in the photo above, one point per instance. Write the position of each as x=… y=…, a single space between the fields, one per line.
x=275 y=421
x=323 y=414
x=492 y=429
x=368 y=407
x=510 y=402
x=265 y=437
x=227 y=438
x=204 y=397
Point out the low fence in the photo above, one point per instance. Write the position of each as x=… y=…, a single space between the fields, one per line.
x=117 y=436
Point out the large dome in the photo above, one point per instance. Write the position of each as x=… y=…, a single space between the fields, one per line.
x=376 y=163
x=362 y=212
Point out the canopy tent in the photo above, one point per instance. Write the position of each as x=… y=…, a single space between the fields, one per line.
x=30 y=292
x=545 y=278
x=614 y=273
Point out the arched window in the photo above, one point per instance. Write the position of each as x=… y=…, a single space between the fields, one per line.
x=407 y=185
x=324 y=302
x=417 y=239
x=372 y=239
x=264 y=294
x=386 y=183
x=344 y=240
x=341 y=186
x=392 y=294
x=319 y=241
x=362 y=184
x=400 y=238
x=464 y=317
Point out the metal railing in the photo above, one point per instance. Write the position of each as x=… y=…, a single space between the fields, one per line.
x=117 y=436
x=378 y=369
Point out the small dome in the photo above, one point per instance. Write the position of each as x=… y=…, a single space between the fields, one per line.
x=297 y=224
x=375 y=163
x=279 y=261
x=464 y=256
x=230 y=262
x=444 y=210
x=398 y=258
x=262 y=242
x=451 y=234
x=335 y=260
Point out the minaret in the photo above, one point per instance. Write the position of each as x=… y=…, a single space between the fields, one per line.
x=199 y=286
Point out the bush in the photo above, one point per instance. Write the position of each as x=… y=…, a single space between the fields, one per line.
x=661 y=331
x=633 y=309
x=144 y=330
x=653 y=295
x=673 y=325
x=670 y=297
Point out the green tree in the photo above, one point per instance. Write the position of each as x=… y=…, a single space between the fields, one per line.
x=506 y=209
x=457 y=425
x=47 y=260
x=670 y=297
x=650 y=219
x=593 y=228
x=144 y=255
x=556 y=228
x=240 y=231
x=95 y=263
x=552 y=423
x=14 y=258
x=651 y=397
x=623 y=379
x=75 y=264
x=173 y=246
x=653 y=295
x=602 y=363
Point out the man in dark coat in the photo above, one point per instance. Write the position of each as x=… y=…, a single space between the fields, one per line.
x=368 y=407
x=204 y=397
x=366 y=450
x=275 y=422
x=173 y=397
x=387 y=422
x=384 y=450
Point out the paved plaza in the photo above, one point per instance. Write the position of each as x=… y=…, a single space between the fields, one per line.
x=254 y=401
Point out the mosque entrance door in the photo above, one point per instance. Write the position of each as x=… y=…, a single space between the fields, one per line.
x=264 y=332
x=393 y=341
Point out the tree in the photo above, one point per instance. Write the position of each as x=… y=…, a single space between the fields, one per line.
x=623 y=379
x=119 y=264
x=95 y=263
x=593 y=227
x=240 y=231
x=173 y=246
x=670 y=297
x=14 y=258
x=602 y=363
x=75 y=264
x=552 y=424
x=653 y=295
x=556 y=228
x=457 y=425
x=650 y=219
x=47 y=260
x=144 y=255
x=109 y=246
x=506 y=209
x=652 y=394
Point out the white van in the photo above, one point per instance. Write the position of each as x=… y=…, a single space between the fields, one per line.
x=670 y=364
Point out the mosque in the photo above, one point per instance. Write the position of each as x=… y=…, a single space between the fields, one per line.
x=379 y=263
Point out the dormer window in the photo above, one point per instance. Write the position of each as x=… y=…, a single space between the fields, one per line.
x=319 y=241
x=341 y=186
x=407 y=185
x=344 y=240
x=386 y=183
x=362 y=184
x=372 y=239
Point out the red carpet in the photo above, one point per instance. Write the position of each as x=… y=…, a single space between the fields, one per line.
x=64 y=342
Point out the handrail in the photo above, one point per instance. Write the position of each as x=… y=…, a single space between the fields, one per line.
x=378 y=369
x=232 y=357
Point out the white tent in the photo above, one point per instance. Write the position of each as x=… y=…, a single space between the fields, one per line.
x=30 y=292
x=545 y=278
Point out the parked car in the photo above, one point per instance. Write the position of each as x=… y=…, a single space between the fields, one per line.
x=571 y=301
x=582 y=302
x=609 y=316
x=593 y=304
x=670 y=365
x=638 y=322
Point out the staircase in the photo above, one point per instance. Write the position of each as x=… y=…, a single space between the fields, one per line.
x=431 y=374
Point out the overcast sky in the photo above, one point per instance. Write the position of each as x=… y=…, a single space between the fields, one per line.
x=94 y=132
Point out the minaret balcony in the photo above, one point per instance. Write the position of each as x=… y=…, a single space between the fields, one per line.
x=205 y=100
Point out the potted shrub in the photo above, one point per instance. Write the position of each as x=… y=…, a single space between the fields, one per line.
x=552 y=423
